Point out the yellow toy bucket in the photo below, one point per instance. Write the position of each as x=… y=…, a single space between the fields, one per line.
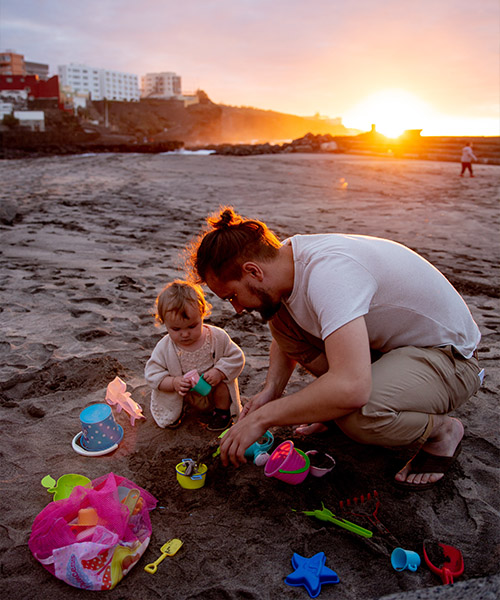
x=187 y=478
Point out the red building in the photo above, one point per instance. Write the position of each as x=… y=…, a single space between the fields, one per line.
x=36 y=88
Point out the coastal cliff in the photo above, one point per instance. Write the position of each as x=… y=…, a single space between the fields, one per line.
x=208 y=123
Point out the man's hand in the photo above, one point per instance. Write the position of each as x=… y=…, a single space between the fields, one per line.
x=240 y=437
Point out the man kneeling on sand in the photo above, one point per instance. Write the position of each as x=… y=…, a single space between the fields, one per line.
x=391 y=342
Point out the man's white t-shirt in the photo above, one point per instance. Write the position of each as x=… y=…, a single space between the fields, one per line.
x=404 y=299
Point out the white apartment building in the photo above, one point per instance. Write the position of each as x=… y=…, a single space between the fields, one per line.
x=160 y=85
x=99 y=83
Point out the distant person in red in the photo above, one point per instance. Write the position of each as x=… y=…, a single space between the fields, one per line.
x=467 y=157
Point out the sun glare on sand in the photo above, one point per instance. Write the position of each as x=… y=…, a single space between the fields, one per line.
x=392 y=111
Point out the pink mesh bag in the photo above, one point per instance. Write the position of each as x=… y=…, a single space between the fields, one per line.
x=99 y=555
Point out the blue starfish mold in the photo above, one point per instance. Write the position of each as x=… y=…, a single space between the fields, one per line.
x=311 y=573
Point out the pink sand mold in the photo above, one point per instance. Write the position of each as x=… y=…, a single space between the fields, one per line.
x=320 y=471
x=116 y=394
x=288 y=464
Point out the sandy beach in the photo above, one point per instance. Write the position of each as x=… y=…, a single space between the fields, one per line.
x=93 y=241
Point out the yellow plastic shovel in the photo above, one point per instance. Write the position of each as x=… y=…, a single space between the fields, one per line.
x=168 y=549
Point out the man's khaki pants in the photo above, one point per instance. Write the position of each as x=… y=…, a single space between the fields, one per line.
x=409 y=386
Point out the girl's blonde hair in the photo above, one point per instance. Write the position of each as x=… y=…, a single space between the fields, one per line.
x=174 y=297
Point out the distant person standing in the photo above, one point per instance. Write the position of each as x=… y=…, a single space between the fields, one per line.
x=467 y=157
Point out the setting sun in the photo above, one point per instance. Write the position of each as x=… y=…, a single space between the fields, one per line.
x=392 y=111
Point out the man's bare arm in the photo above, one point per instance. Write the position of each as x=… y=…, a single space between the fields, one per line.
x=280 y=370
x=344 y=388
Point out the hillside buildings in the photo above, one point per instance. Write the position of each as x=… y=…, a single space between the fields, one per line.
x=114 y=85
x=25 y=90
x=99 y=84
x=11 y=63
x=161 y=85
x=26 y=96
x=79 y=81
x=31 y=119
x=26 y=86
x=34 y=68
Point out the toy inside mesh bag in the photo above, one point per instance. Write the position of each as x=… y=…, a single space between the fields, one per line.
x=91 y=540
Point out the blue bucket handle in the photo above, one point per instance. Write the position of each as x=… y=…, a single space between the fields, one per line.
x=192 y=477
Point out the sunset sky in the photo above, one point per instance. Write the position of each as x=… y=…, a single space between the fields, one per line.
x=431 y=65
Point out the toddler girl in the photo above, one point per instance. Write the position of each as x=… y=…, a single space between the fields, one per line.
x=190 y=344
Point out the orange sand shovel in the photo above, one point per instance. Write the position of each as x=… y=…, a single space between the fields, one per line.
x=168 y=549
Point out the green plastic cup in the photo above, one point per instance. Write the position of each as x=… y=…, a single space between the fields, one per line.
x=202 y=387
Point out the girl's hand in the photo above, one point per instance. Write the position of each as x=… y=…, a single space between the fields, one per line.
x=213 y=376
x=181 y=385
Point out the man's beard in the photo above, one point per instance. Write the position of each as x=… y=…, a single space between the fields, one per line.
x=269 y=307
